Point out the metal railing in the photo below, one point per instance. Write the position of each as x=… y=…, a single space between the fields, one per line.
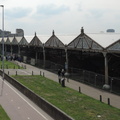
x=84 y=76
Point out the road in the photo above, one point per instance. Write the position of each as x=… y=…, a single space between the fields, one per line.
x=17 y=106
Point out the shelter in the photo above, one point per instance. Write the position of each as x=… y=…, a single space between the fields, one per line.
x=54 y=51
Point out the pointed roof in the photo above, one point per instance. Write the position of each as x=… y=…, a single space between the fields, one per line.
x=5 y=39
x=54 y=42
x=9 y=40
x=16 y=40
x=115 y=47
x=84 y=42
x=23 y=41
x=35 y=41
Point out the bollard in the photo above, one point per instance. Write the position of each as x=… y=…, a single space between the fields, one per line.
x=40 y=73
x=43 y=74
x=67 y=80
x=25 y=66
x=108 y=101
x=8 y=72
x=32 y=72
x=16 y=72
x=79 y=89
x=100 y=98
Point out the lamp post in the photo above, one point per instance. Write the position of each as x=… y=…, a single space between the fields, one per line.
x=2 y=39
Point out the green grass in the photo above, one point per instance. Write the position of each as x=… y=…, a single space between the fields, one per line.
x=3 y=115
x=9 y=65
x=78 y=106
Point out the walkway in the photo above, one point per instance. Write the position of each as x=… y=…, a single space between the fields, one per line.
x=85 y=89
x=15 y=104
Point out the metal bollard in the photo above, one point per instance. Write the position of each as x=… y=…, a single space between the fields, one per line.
x=25 y=66
x=43 y=74
x=100 y=98
x=16 y=72
x=108 y=101
x=40 y=73
x=79 y=89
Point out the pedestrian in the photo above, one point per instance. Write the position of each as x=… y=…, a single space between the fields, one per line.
x=59 y=75
x=63 y=72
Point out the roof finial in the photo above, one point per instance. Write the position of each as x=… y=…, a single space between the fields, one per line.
x=35 y=33
x=53 y=33
x=82 y=30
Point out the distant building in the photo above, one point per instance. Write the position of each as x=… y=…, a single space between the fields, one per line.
x=19 y=33
x=110 y=31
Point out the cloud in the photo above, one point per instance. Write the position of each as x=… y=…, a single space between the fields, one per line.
x=19 y=12
x=51 y=9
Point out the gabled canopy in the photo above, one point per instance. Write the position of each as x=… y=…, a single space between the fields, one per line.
x=1 y=40
x=9 y=40
x=84 y=42
x=115 y=47
x=23 y=41
x=54 y=42
x=35 y=41
x=16 y=40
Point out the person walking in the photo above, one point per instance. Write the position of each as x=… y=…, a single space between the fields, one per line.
x=59 y=75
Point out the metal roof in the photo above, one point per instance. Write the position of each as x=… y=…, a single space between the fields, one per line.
x=23 y=41
x=87 y=41
x=115 y=47
x=54 y=41
x=35 y=41
x=105 y=39
x=16 y=40
x=84 y=42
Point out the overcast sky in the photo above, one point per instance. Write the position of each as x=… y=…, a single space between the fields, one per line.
x=62 y=16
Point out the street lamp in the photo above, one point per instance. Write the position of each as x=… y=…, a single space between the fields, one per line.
x=2 y=39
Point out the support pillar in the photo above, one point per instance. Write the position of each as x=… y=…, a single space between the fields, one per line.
x=44 y=57
x=106 y=85
x=5 y=49
x=18 y=50
x=36 y=57
x=66 y=63
x=11 y=50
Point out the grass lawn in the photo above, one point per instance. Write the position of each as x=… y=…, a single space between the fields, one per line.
x=3 y=115
x=9 y=65
x=78 y=106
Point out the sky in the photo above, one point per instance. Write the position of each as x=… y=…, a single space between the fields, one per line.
x=62 y=16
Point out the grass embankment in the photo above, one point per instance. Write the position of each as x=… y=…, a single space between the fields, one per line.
x=9 y=65
x=3 y=115
x=78 y=106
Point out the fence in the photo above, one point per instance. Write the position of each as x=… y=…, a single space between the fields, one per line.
x=87 y=77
